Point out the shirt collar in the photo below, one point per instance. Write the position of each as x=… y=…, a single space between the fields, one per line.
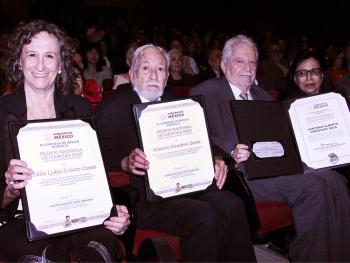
x=236 y=92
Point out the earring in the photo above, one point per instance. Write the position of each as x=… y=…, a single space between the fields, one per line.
x=18 y=66
x=59 y=70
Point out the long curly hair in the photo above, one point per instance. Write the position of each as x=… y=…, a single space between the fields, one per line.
x=22 y=35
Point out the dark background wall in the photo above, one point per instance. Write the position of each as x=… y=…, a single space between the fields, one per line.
x=320 y=19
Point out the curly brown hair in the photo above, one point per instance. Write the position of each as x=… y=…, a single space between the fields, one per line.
x=22 y=35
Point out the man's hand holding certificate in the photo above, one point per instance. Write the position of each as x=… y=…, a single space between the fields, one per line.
x=293 y=137
x=175 y=140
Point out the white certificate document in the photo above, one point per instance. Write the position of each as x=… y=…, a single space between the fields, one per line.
x=176 y=143
x=69 y=189
x=321 y=125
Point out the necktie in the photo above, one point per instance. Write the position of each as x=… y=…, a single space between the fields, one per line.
x=244 y=95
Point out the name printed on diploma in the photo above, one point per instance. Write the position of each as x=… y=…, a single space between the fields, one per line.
x=68 y=166
x=321 y=126
x=176 y=143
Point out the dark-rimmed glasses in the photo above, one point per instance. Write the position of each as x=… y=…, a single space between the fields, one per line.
x=305 y=72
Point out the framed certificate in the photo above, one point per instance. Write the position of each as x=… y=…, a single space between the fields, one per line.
x=292 y=137
x=175 y=139
x=321 y=126
x=69 y=190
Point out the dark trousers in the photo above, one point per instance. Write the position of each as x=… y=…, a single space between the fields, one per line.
x=15 y=246
x=320 y=203
x=212 y=225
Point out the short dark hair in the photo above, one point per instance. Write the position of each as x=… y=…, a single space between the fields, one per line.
x=304 y=55
x=22 y=35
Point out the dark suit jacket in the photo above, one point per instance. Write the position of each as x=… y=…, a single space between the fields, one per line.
x=217 y=94
x=13 y=108
x=206 y=74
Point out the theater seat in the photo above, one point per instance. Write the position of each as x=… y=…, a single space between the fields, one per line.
x=144 y=244
x=108 y=84
x=108 y=88
x=274 y=93
x=270 y=221
x=181 y=91
x=273 y=216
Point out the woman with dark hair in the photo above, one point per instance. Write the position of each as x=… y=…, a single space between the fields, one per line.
x=87 y=88
x=308 y=75
x=39 y=67
x=95 y=67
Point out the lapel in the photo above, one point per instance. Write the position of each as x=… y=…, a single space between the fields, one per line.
x=254 y=91
x=17 y=106
x=226 y=91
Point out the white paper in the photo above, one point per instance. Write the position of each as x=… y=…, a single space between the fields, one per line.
x=176 y=144
x=321 y=126
x=268 y=149
x=69 y=189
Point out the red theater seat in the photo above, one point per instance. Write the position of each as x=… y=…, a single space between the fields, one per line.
x=270 y=221
x=165 y=246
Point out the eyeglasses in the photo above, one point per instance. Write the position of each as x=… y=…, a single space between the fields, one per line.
x=305 y=72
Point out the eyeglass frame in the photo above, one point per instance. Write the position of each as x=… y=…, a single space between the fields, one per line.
x=313 y=71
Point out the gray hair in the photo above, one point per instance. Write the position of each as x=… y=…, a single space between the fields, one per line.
x=176 y=51
x=139 y=52
x=232 y=43
x=173 y=51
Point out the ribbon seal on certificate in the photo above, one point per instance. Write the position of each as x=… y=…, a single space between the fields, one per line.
x=333 y=158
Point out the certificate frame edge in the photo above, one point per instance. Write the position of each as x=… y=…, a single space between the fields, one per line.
x=13 y=133
x=306 y=169
x=137 y=110
x=284 y=105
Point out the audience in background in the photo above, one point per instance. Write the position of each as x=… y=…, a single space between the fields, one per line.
x=189 y=64
x=178 y=79
x=213 y=68
x=94 y=65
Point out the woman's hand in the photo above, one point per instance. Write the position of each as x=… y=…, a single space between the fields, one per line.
x=136 y=162
x=119 y=224
x=17 y=176
x=220 y=172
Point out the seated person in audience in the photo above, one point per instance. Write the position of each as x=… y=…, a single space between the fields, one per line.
x=39 y=67
x=213 y=69
x=337 y=69
x=105 y=53
x=319 y=200
x=273 y=71
x=307 y=73
x=94 y=65
x=212 y=225
x=343 y=86
x=189 y=64
x=78 y=60
x=178 y=78
x=89 y=89
x=124 y=78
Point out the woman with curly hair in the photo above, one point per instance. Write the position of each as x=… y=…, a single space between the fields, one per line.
x=39 y=67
